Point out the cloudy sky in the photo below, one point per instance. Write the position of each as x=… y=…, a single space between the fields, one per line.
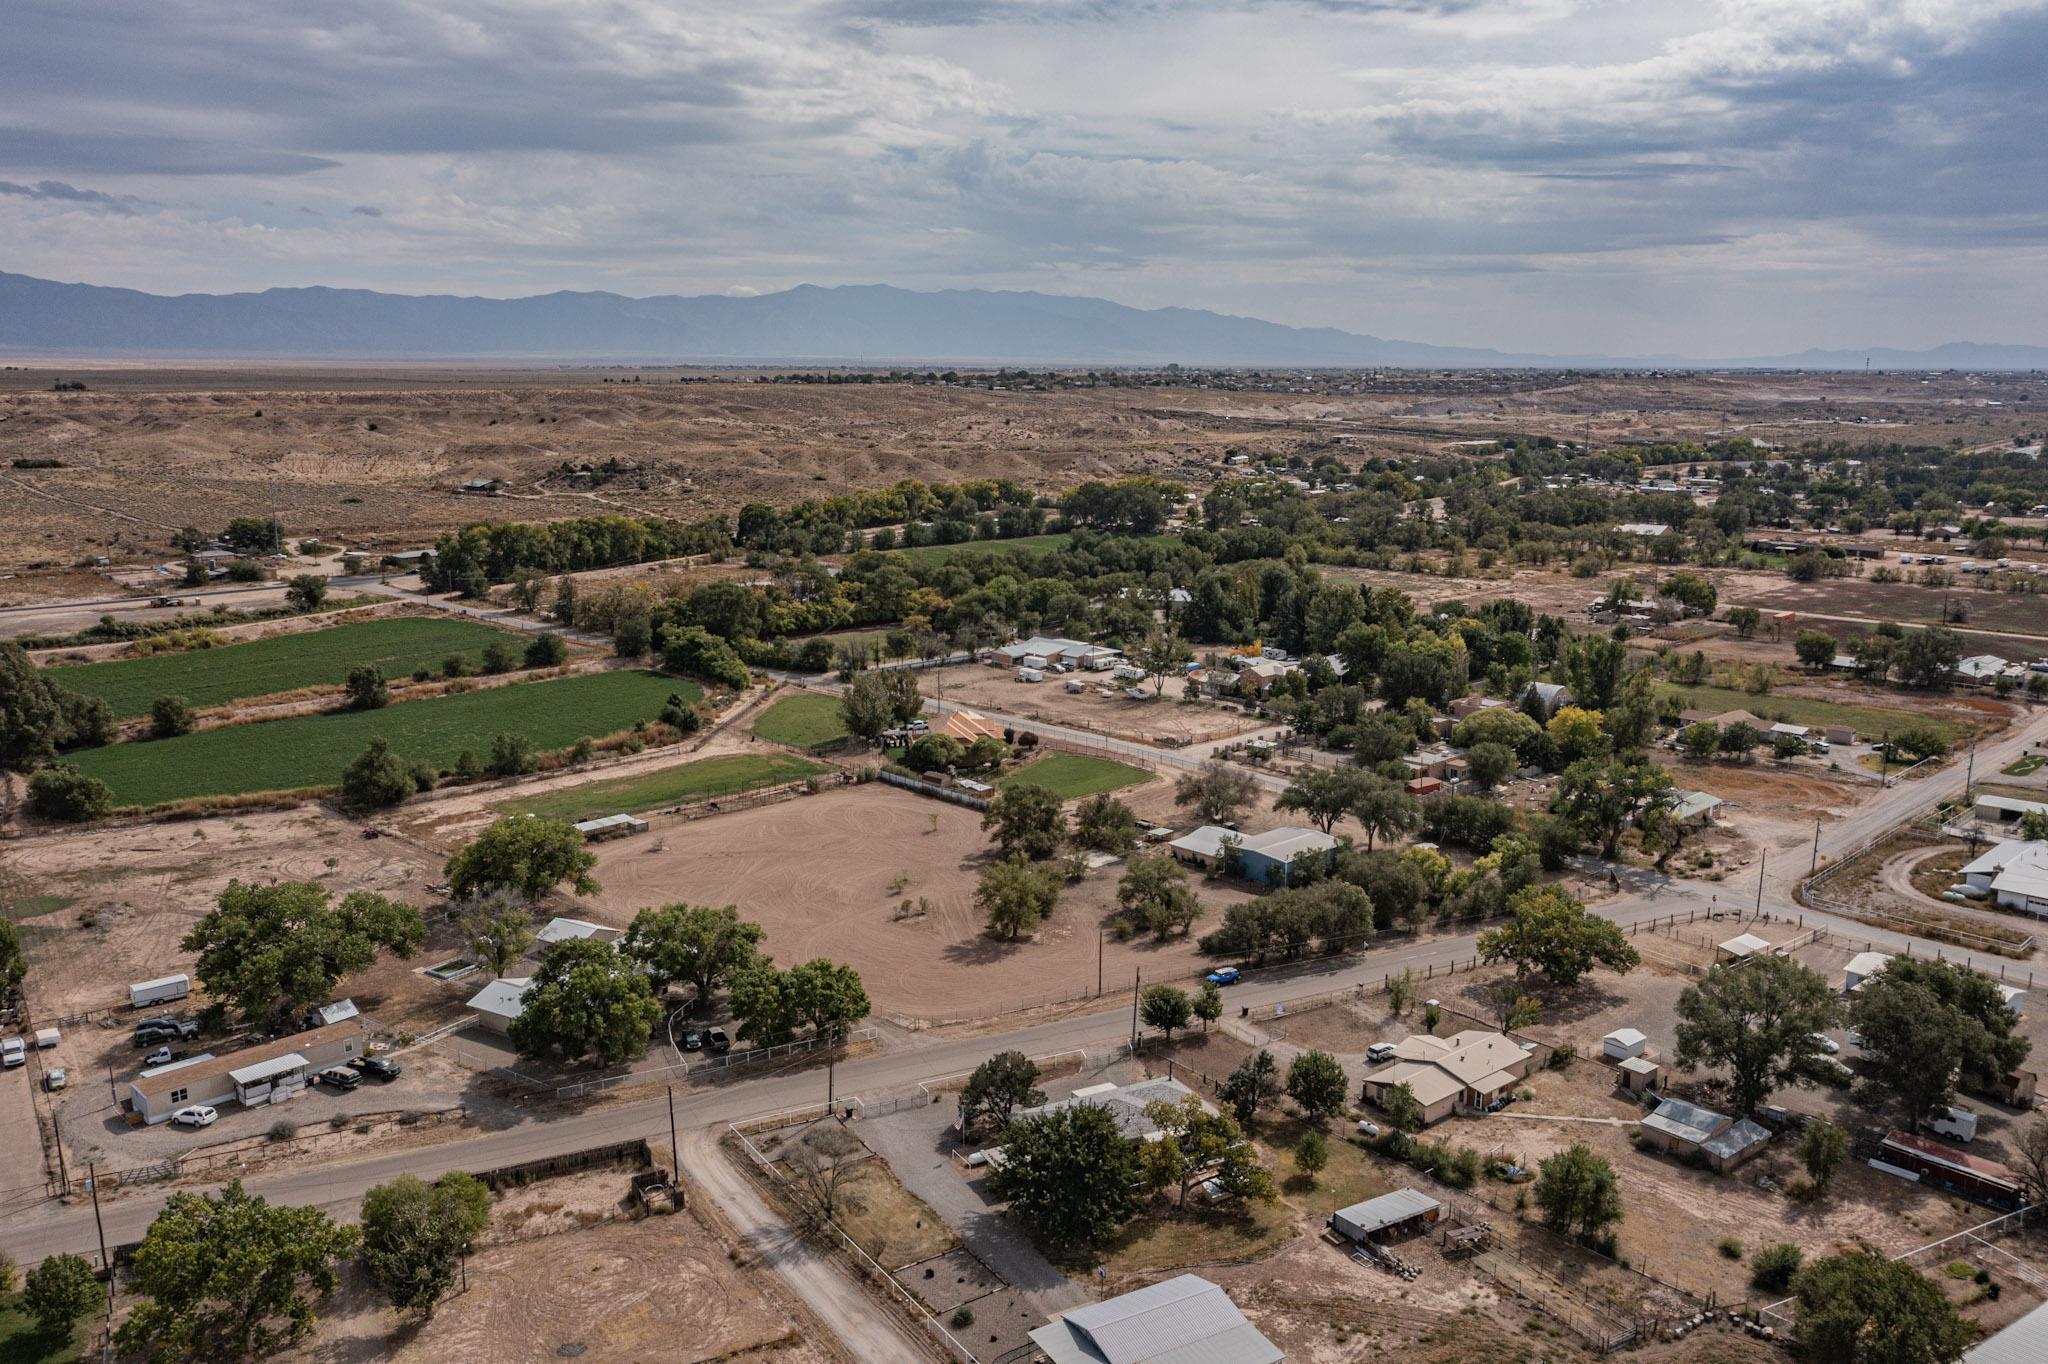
x=1622 y=176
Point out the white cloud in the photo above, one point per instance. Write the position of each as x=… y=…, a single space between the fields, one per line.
x=1585 y=175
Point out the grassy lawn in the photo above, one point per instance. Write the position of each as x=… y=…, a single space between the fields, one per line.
x=1352 y=1176
x=22 y=1343
x=311 y=750
x=264 y=667
x=2025 y=767
x=877 y=642
x=1867 y=720
x=1071 y=775
x=801 y=720
x=676 y=785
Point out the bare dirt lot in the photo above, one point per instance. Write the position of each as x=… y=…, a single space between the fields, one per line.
x=560 y=1276
x=1166 y=722
x=818 y=874
x=117 y=900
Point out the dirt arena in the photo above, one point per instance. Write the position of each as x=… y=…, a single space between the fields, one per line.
x=817 y=873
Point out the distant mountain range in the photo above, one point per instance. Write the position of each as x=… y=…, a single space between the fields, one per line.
x=869 y=324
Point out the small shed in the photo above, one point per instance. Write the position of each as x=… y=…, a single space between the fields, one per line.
x=1403 y=1210
x=1624 y=1044
x=1861 y=968
x=562 y=930
x=1841 y=734
x=1639 y=1074
x=611 y=826
x=1741 y=948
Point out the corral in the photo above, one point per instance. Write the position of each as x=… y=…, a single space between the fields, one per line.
x=310 y=751
x=1167 y=721
x=818 y=873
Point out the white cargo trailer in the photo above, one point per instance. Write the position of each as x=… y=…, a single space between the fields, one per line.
x=144 y=993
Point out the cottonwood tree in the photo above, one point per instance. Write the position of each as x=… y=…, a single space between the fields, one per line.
x=1166 y=1008
x=1208 y=1004
x=1154 y=893
x=1315 y=1080
x=823 y=995
x=999 y=1087
x=1578 y=1193
x=587 y=999
x=1490 y=764
x=1027 y=819
x=269 y=951
x=1324 y=794
x=879 y=699
x=1601 y=798
x=697 y=944
x=1551 y=932
x=229 y=1276
x=1384 y=810
x=365 y=688
x=496 y=935
x=1254 y=1084
x=1070 y=1174
x=1927 y=1024
x=2030 y=1147
x=1758 y=1020
x=416 y=1233
x=822 y=1184
x=1217 y=792
x=60 y=791
x=522 y=854
x=1016 y=896
x=1106 y=824
x=1864 y=1308
x=1195 y=1145
x=1162 y=654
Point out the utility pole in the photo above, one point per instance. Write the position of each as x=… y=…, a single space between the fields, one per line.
x=1816 y=849
x=1884 y=761
x=1763 y=860
x=92 y=1182
x=1101 y=936
x=675 y=1152
x=1136 y=976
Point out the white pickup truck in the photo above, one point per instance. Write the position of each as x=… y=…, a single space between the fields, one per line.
x=13 y=1052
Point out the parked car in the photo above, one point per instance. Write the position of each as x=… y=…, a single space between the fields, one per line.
x=54 y=1078
x=1380 y=1052
x=13 y=1052
x=1826 y=1043
x=198 y=1115
x=718 y=1041
x=162 y=1056
x=1225 y=975
x=154 y=1030
x=378 y=1067
x=693 y=1041
x=341 y=1077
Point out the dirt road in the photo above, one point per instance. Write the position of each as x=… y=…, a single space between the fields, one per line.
x=825 y=1287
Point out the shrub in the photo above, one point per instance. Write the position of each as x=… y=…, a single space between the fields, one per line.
x=546 y=651
x=1730 y=1248
x=61 y=791
x=1772 y=1269
x=366 y=689
x=283 y=1130
x=455 y=665
x=377 y=777
x=170 y=716
x=511 y=756
x=498 y=657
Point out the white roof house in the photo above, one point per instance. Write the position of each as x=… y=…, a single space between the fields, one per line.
x=1184 y=1320
x=2023 y=1342
x=1980 y=667
x=2016 y=874
x=1624 y=1043
x=1126 y=1104
x=562 y=930
x=498 y=1003
x=1649 y=530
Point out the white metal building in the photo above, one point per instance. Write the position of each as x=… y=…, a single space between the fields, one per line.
x=1184 y=1320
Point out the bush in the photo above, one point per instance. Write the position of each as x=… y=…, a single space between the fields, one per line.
x=455 y=665
x=633 y=637
x=1730 y=1248
x=377 y=777
x=511 y=756
x=170 y=716
x=546 y=651
x=366 y=689
x=498 y=657
x=283 y=1130
x=61 y=791
x=1773 y=1268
